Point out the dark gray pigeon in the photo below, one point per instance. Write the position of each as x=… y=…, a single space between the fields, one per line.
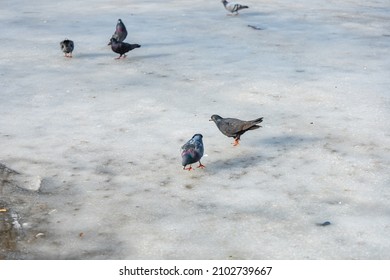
x=120 y=33
x=122 y=47
x=233 y=7
x=67 y=47
x=234 y=127
x=192 y=152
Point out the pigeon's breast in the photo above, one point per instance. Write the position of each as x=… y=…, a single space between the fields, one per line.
x=189 y=156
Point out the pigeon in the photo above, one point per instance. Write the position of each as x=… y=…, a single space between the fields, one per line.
x=192 y=152
x=67 y=47
x=234 y=127
x=122 y=47
x=120 y=32
x=233 y=7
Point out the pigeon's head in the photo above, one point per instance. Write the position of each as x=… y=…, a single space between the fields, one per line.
x=113 y=40
x=197 y=137
x=215 y=118
x=119 y=20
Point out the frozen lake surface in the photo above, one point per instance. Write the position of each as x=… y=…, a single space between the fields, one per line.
x=104 y=135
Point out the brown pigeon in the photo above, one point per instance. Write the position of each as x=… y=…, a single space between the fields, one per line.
x=234 y=127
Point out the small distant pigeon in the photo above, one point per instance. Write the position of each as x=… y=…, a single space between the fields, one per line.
x=233 y=7
x=122 y=47
x=120 y=32
x=67 y=47
x=234 y=127
x=192 y=152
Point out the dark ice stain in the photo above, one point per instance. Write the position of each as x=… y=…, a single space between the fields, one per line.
x=11 y=230
x=324 y=224
x=255 y=27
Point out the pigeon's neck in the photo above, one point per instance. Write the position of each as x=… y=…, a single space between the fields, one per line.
x=218 y=122
x=224 y=2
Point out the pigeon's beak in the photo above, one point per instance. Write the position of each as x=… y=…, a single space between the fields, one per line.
x=210 y=120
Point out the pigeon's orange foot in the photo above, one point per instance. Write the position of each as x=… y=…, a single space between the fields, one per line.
x=201 y=166
x=188 y=168
x=236 y=142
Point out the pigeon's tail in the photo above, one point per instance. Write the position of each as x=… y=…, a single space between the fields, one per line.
x=259 y=120
x=253 y=124
x=134 y=46
x=254 y=127
x=238 y=7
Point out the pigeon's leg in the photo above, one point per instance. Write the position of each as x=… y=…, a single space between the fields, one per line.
x=201 y=165
x=189 y=168
x=236 y=141
x=119 y=57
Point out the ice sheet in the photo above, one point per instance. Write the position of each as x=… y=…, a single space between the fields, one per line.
x=105 y=134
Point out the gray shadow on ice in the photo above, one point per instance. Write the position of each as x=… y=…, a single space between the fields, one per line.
x=92 y=55
x=288 y=141
x=157 y=55
x=159 y=44
x=241 y=161
x=252 y=14
x=280 y=143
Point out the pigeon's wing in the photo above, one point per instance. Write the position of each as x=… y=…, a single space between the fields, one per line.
x=71 y=46
x=126 y=47
x=193 y=146
x=235 y=7
x=189 y=145
x=199 y=148
x=230 y=126
x=249 y=125
x=120 y=31
x=232 y=7
x=120 y=27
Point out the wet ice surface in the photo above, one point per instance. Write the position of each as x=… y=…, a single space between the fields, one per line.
x=105 y=135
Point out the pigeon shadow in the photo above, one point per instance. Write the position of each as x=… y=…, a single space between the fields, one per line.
x=253 y=14
x=92 y=55
x=247 y=14
x=291 y=141
x=245 y=160
x=159 y=44
x=152 y=56
x=242 y=161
